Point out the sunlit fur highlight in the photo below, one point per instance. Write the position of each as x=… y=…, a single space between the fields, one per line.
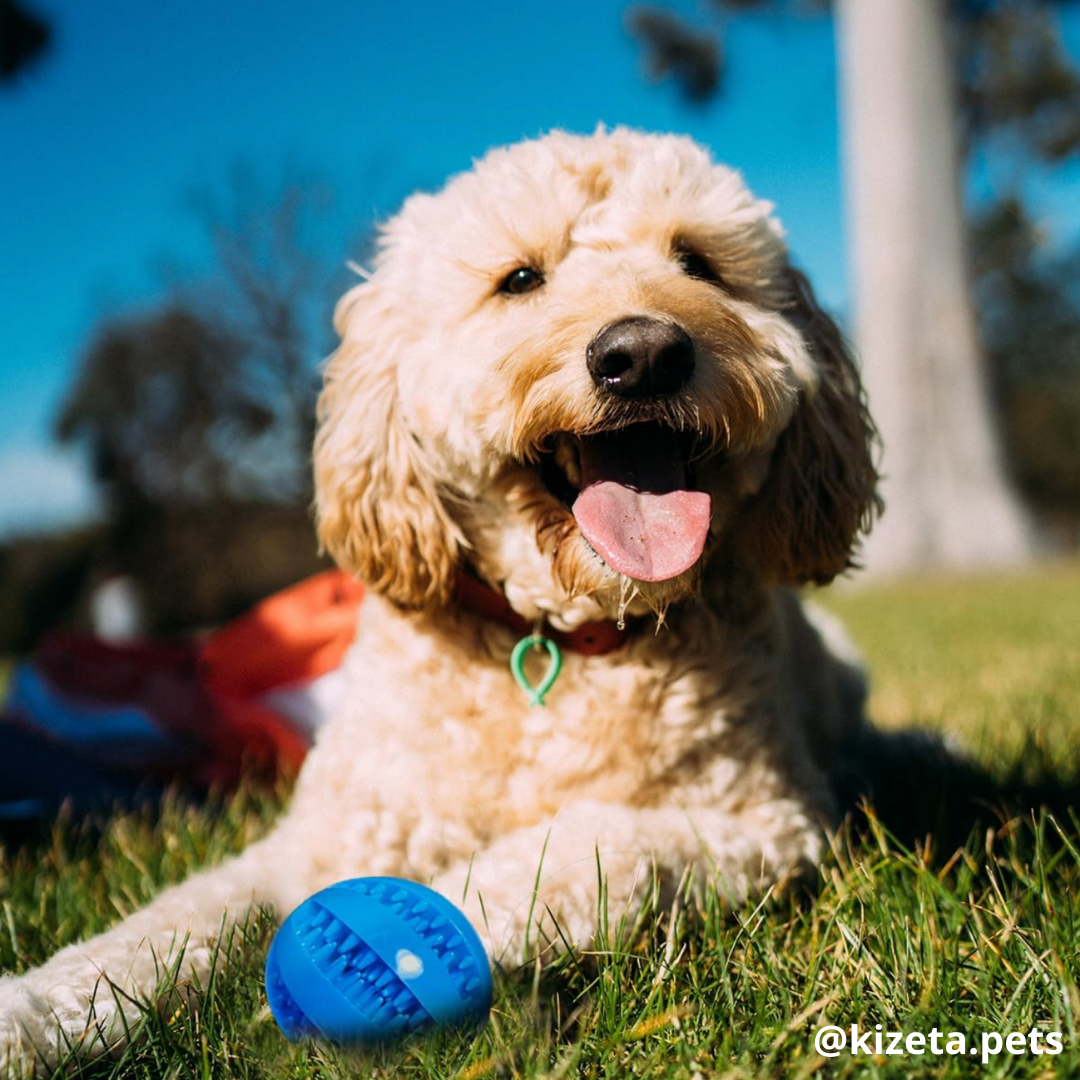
x=380 y=510
x=445 y=389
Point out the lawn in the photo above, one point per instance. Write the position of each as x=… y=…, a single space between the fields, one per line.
x=983 y=941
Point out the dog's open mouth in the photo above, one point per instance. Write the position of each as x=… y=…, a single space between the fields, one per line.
x=633 y=498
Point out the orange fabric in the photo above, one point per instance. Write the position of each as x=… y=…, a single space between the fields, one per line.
x=293 y=636
x=299 y=633
x=303 y=632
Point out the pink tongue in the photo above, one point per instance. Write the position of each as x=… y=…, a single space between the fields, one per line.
x=634 y=507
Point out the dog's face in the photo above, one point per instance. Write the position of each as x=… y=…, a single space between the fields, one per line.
x=586 y=369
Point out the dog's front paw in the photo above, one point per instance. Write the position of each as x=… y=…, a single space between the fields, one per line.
x=534 y=891
x=516 y=922
x=23 y=1029
x=41 y=1024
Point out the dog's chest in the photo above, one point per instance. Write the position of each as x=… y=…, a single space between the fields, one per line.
x=445 y=720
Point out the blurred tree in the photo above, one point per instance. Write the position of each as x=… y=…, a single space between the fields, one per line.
x=170 y=407
x=42 y=579
x=1014 y=77
x=949 y=502
x=1031 y=320
x=691 y=57
x=198 y=415
x=24 y=38
x=911 y=67
x=1019 y=88
x=274 y=291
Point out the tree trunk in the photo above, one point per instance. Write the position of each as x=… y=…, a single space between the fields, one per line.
x=948 y=503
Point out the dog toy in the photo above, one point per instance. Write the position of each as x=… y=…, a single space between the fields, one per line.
x=537 y=641
x=373 y=958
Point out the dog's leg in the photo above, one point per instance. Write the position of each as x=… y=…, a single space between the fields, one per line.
x=527 y=881
x=88 y=994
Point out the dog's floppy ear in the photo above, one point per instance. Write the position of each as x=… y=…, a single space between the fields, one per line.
x=820 y=492
x=377 y=503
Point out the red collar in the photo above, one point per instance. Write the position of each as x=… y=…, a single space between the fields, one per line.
x=589 y=639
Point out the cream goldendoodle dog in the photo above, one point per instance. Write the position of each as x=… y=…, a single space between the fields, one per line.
x=583 y=392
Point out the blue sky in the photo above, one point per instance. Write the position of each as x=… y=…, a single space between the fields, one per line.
x=139 y=103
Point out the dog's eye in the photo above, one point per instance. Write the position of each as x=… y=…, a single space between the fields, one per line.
x=695 y=265
x=522 y=280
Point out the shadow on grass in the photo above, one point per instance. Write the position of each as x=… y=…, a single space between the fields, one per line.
x=929 y=795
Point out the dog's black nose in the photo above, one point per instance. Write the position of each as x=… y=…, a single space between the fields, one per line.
x=641 y=357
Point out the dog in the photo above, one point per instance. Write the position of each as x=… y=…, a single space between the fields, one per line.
x=583 y=398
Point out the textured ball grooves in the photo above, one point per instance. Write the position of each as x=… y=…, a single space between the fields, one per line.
x=289 y=1015
x=357 y=993
x=318 y=994
x=422 y=925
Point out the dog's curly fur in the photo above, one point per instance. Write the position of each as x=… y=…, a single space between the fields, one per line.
x=708 y=741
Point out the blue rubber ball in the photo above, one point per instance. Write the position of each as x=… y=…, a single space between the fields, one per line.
x=374 y=958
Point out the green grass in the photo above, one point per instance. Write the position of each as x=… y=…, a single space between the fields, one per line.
x=986 y=939
x=993 y=660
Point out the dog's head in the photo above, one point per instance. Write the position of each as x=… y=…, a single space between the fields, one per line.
x=587 y=369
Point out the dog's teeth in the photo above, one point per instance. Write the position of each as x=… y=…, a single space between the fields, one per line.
x=566 y=457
